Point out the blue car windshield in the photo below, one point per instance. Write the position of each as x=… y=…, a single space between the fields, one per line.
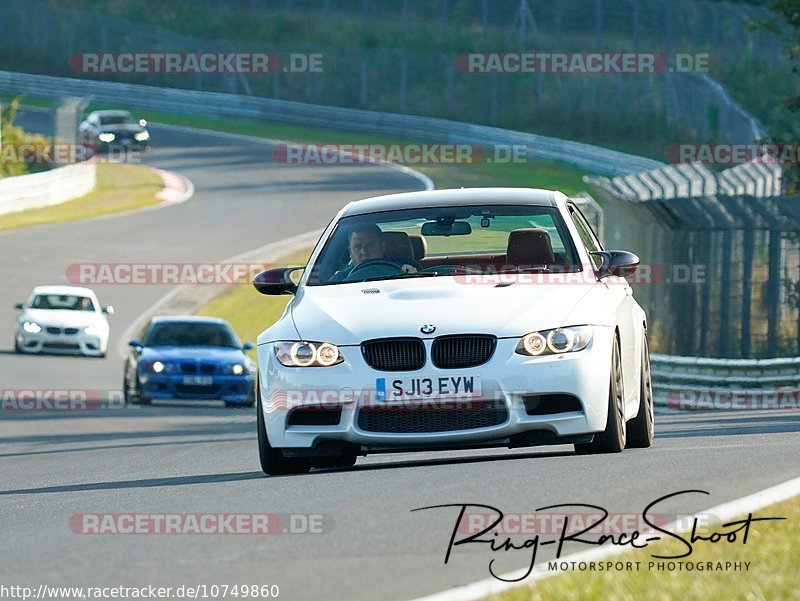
x=191 y=334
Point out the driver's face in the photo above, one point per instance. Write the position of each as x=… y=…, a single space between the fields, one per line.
x=365 y=246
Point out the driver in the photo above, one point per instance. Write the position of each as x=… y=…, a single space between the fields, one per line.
x=366 y=243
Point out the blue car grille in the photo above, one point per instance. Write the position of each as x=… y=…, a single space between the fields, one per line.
x=203 y=368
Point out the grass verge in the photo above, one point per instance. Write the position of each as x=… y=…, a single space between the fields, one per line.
x=119 y=188
x=771 y=550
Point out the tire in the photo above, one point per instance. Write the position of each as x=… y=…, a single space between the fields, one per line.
x=17 y=347
x=612 y=439
x=641 y=429
x=126 y=391
x=141 y=397
x=273 y=461
x=337 y=461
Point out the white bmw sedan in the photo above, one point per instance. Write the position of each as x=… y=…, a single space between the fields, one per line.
x=453 y=319
x=62 y=320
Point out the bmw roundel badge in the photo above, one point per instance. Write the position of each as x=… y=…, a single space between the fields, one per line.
x=428 y=328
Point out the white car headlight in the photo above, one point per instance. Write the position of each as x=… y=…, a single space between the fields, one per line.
x=142 y=136
x=106 y=137
x=31 y=327
x=91 y=331
x=555 y=342
x=237 y=369
x=307 y=354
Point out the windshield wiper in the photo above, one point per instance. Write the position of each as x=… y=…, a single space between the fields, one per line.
x=400 y=276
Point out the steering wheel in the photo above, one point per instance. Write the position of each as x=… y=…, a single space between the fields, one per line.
x=378 y=266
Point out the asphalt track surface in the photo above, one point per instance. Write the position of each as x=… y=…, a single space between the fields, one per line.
x=190 y=459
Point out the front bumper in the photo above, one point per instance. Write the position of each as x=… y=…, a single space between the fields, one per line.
x=63 y=343
x=507 y=379
x=228 y=388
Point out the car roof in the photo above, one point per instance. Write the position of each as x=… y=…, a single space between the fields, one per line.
x=59 y=290
x=188 y=319
x=110 y=113
x=455 y=197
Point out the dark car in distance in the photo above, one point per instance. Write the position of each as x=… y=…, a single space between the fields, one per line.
x=105 y=131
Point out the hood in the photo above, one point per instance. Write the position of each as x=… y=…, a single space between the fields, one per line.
x=345 y=315
x=211 y=354
x=63 y=318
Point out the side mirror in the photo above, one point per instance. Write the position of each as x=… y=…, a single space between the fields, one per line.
x=135 y=344
x=109 y=310
x=19 y=306
x=620 y=263
x=276 y=281
x=247 y=346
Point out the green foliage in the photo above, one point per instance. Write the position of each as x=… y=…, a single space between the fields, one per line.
x=13 y=139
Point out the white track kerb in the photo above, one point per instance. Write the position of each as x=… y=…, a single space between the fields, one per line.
x=714 y=515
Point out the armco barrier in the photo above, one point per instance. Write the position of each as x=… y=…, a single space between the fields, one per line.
x=673 y=374
x=212 y=104
x=46 y=188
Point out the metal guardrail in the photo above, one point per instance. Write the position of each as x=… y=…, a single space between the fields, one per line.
x=674 y=374
x=47 y=188
x=217 y=105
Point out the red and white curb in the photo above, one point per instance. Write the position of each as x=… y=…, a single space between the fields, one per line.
x=176 y=189
x=725 y=511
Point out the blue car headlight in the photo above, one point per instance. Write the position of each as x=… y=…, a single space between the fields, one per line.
x=159 y=367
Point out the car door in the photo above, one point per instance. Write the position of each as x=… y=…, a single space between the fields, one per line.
x=621 y=295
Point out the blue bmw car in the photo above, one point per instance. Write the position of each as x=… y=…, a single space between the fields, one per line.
x=192 y=358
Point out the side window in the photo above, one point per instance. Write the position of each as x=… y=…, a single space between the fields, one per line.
x=587 y=236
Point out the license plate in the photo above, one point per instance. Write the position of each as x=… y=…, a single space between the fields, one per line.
x=198 y=380
x=424 y=388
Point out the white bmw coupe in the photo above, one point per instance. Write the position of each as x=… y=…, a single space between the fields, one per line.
x=62 y=320
x=453 y=319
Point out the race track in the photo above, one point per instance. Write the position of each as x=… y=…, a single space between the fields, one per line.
x=184 y=459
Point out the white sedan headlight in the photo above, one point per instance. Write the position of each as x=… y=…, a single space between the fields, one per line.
x=91 y=331
x=106 y=137
x=141 y=136
x=555 y=342
x=307 y=354
x=31 y=327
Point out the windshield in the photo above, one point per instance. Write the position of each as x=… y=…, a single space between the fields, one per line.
x=62 y=302
x=439 y=241
x=191 y=334
x=115 y=119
